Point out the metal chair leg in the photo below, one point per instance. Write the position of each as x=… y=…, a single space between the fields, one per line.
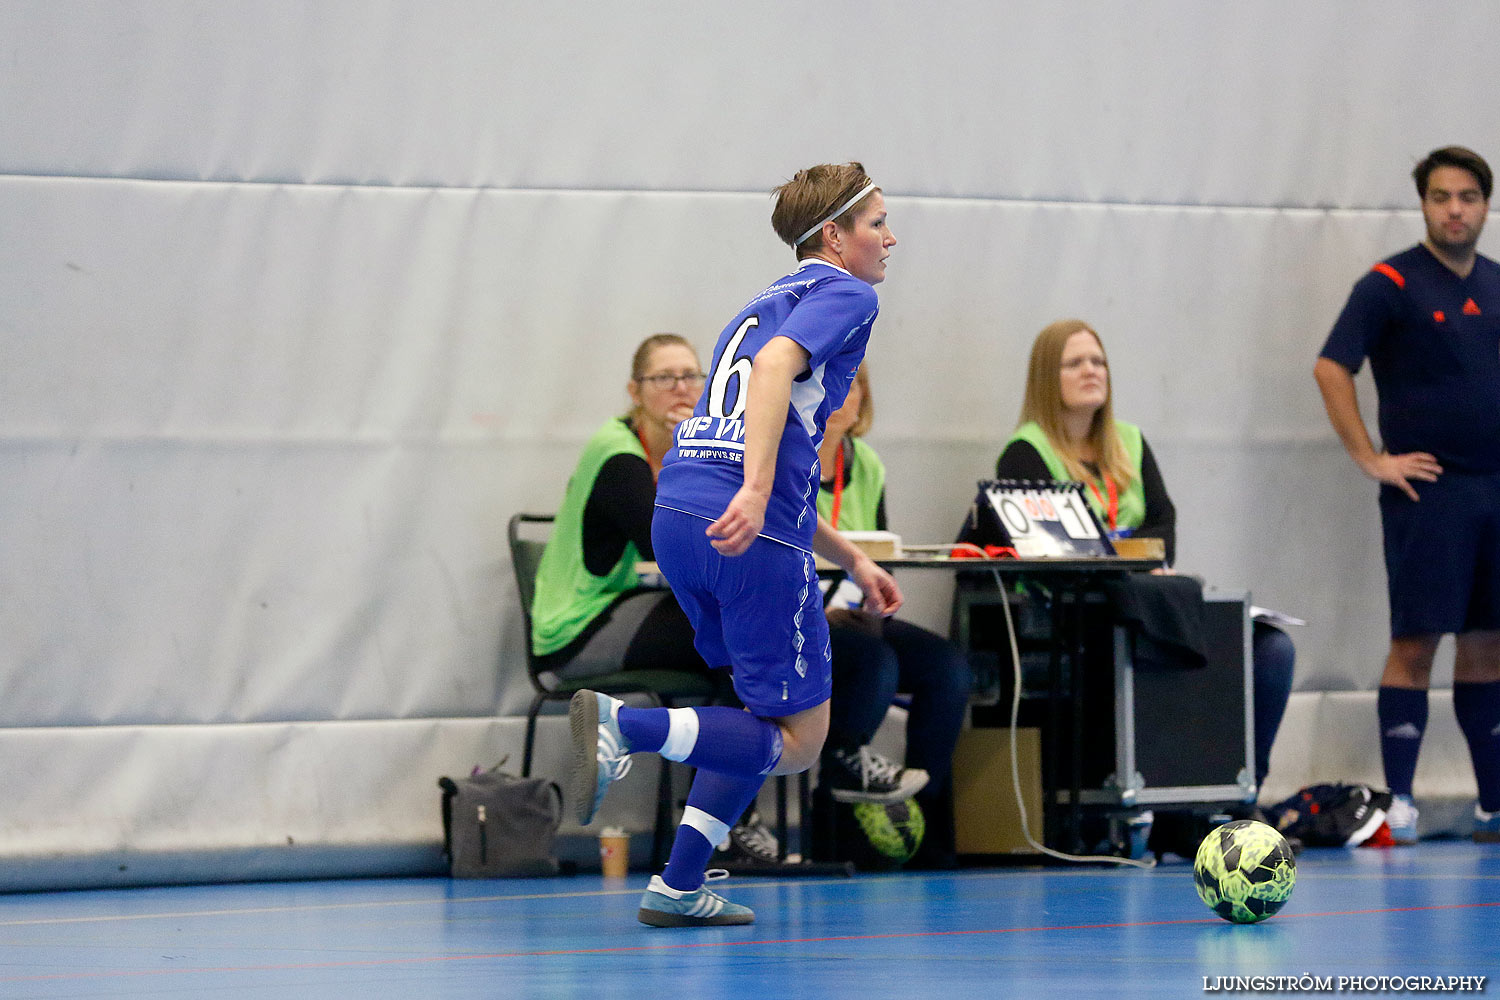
x=536 y=707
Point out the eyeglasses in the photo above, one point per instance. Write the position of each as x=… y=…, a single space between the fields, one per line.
x=666 y=380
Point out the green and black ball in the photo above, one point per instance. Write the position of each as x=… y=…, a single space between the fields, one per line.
x=1245 y=871
x=889 y=834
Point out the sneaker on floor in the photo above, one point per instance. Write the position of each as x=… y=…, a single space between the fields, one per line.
x=1138 y=834
x=749 y=843
x=1401 y=817
x=865 y=776
x=600 y=753
x=1175 y=831
x=663 y=906
x=1486 y=826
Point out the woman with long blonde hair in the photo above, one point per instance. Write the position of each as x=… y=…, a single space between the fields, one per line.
x=1068 y=431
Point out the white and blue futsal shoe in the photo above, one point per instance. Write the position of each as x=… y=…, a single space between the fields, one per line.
x=1486 y=826
x=1402 y=817
x=600 y=753
x=664 y=906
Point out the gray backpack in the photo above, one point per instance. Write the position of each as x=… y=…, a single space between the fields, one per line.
x=496 y=824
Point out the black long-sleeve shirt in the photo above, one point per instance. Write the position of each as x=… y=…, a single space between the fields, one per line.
x=618 y=512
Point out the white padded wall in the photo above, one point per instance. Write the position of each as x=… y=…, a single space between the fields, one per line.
x=299 y=302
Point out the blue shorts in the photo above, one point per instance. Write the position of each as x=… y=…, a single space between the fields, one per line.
x=1442 y=555
x=760 y=613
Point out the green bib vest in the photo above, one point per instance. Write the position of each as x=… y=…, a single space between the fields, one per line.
x=865 y=476
x=1132 y=502
x=568 y=596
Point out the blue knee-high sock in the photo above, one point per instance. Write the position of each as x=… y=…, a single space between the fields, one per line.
x=714 y=805
x=1478 y=709
x=713 y=738
x=645 y=728
x=1403 y=720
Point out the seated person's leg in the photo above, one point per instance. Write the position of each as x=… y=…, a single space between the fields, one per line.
x=864 y=683
x=938 y=678
x=664 y=640
x=865 y=673
x=1273 y=658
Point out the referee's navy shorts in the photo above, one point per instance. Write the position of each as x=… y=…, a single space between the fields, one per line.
x=1442 y=555
x=760 y=613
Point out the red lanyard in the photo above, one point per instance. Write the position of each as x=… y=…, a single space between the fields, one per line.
x=838 y=486
x=1112 y=508
x=641 y=437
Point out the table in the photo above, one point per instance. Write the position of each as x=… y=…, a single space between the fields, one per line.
x=1070 y=578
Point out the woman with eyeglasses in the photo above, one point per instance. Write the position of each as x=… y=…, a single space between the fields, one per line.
x=590 y=616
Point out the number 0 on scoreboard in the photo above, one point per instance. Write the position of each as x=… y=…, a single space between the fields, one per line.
x=1041 y=519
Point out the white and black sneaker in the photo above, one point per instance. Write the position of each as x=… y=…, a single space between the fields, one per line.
x=749 y=843
x=862 y=775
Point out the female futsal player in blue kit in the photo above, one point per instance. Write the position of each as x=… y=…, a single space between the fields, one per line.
x=735 y=530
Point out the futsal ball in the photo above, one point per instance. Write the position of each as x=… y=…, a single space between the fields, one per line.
x=892 y=832
x=1244 y=871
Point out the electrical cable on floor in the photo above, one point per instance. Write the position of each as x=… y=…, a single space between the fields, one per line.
x=1015 y=761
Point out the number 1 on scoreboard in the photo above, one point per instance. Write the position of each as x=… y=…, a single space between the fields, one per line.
x=1075 y=520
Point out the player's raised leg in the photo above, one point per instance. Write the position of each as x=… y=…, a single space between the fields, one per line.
x=606 y=732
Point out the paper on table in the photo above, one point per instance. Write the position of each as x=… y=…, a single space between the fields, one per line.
x=1273 y=617
x=875 y=544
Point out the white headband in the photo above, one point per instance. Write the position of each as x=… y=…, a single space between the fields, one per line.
x=836 y=212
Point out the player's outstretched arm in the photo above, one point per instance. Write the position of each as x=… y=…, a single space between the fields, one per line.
x=882 y=595
x=767 y=397
x=1336 y=383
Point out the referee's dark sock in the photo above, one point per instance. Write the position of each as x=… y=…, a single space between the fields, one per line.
x=715 y=802
x=1403 y=720
x=1478 y=709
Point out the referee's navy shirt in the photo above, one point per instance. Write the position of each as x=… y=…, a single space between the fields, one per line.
x=1433 y=340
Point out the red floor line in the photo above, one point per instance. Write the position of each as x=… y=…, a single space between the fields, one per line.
x=682 y=946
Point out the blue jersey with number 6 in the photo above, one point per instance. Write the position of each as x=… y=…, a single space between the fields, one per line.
x=828 y=312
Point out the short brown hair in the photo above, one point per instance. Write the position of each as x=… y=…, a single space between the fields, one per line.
x=1454 y=156
x=807 y=198
x=1043 y=404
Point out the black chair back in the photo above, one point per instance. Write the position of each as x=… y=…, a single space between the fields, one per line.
x=661 y=687
x=525 y=558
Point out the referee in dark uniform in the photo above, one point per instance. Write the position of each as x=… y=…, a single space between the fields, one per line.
x=1428 y=320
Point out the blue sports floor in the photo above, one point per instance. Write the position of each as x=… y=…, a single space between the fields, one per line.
x=1433 y=910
